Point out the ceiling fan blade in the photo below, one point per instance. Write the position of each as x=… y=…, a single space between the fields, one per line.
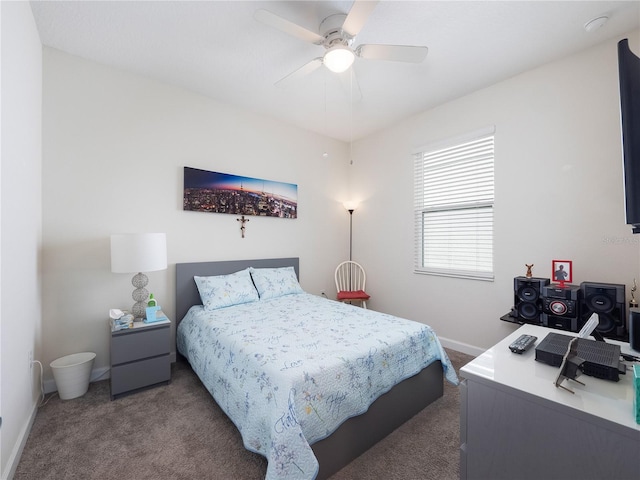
x=286 y=26
x=358 y=15
x=350 y=85
x=397 y=53
x=304 y=70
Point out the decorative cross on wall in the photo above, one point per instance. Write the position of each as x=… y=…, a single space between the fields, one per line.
x=242 y=222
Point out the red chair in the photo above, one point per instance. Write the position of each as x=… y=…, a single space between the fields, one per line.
x=350 y=283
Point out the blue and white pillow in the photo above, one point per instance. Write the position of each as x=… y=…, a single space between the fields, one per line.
x=226 y=290
x=275 y=282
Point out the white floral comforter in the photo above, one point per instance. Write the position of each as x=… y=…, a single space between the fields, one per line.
x=288 y=371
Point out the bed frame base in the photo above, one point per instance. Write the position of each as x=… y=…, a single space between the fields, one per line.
x=358 y=434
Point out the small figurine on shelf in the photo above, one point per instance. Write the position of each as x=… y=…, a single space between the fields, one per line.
x=633 y=303
x=529 y=273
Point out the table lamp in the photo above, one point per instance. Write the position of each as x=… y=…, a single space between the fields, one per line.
x=137 y=253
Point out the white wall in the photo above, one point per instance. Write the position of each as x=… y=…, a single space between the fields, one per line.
x=20 y=312
x=559 y=194
x=114 y=148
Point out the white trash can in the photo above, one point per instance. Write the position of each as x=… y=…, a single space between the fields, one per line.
x=72 y=373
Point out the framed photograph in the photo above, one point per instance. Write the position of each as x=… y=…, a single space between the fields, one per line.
x=562 y=271
x=216 y=192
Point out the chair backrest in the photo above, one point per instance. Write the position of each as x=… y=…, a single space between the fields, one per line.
x=350 y=276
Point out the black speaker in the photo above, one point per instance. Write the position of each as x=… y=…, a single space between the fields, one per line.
x=608 y=301
x=561 y=307
x=527 y=302
x=634 y=328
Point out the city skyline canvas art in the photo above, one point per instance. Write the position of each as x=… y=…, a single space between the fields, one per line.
x=215 y=192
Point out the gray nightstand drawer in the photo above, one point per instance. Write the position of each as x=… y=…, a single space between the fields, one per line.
x=140 y=357
x=140 y=374
x=137 y=344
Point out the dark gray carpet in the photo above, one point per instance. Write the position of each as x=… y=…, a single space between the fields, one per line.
x=179 y=432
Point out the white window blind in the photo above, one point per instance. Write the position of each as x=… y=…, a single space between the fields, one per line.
x=454 y=194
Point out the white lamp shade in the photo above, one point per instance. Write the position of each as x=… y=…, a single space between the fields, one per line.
x=138 y=252
x=351 y=205
x=338 y=58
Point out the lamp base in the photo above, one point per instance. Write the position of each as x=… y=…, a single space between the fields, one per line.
x=140 y=295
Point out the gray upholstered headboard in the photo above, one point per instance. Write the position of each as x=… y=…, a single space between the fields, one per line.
x=187 y=292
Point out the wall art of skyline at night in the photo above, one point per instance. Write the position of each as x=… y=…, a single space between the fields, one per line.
x=215 y=192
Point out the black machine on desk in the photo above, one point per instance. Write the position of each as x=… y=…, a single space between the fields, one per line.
x=601 y=360
x=539 y=302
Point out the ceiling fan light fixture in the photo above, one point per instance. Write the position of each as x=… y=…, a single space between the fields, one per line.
x=338 y=58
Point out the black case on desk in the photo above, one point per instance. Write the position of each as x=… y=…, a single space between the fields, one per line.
x=601 y=360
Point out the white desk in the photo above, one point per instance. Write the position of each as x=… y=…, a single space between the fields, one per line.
x=515 y=423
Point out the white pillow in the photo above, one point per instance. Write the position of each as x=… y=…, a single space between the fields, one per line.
x=275 y=282
x=226 y=290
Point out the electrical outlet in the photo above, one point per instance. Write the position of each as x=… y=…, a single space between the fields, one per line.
x=30 y=360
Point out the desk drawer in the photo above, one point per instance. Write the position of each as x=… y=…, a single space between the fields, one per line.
x=138 y=344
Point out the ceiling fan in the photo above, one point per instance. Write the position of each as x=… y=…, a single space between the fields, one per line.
x=337 y=35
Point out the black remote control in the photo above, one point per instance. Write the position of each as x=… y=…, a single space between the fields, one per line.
x=523 y=343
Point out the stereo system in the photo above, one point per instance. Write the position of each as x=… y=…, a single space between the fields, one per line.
x=608 y=301
x=568 y=307
x=528 y=299
x=561 y=307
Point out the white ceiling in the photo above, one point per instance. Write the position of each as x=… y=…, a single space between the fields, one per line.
x=218 y=49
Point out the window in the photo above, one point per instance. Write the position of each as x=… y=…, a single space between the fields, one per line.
x=454 y=194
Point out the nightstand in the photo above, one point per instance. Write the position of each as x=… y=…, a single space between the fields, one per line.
x=140 y=357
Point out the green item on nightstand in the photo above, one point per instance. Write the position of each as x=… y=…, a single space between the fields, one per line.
x=636 y=388
x=152 y=301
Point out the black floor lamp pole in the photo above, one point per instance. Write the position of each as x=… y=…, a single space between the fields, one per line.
x=350 y=232
x=350 y=243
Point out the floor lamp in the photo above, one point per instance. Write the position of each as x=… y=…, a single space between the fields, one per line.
x=350 y=206
x=350 y=233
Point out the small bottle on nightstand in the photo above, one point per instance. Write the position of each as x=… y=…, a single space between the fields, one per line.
x=152 y=301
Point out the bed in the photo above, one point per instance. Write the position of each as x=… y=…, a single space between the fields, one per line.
x=310 y=410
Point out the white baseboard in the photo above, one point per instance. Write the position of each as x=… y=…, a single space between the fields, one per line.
x=14 y=458
x=461 y=347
